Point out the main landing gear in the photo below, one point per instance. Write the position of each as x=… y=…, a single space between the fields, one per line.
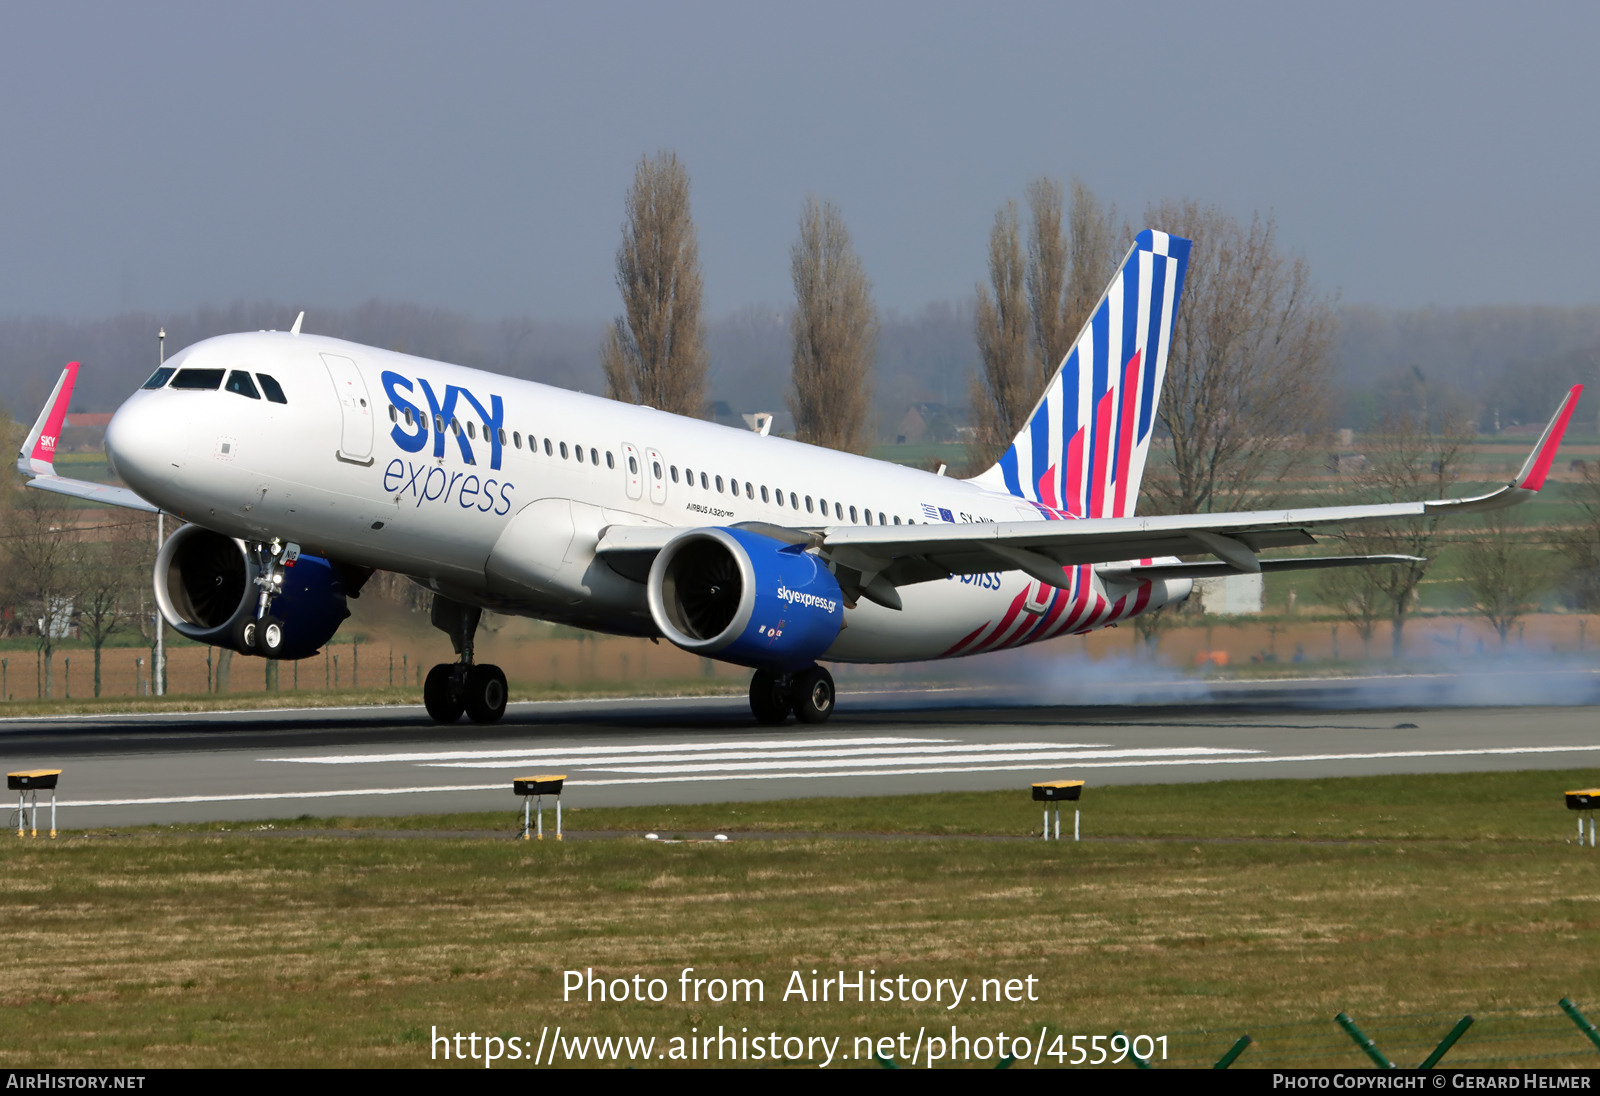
x=452 y=688
x=808 y=694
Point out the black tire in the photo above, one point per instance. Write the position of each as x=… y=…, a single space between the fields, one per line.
x=813 y=695
x=769 y=698
x=438 y=697
x=485 y=694
x=269 y=636
x=244 y=635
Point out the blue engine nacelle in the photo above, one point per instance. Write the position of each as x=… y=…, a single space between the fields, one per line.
x=206 y=585
x=745 y=598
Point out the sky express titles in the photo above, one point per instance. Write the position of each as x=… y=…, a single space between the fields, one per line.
x=410 y=433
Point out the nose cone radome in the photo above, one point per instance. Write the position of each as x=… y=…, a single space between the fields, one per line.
x=145 y=446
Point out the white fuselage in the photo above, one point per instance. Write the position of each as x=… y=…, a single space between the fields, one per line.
x=513 y=526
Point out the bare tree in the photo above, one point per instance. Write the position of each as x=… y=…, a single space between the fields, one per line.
x=41 y=544
x=110 y=573
x=1072 y=252
x=1248 y=371
x=1352 y=592
x=1505 y=568
x=1404 y=463
x=1579 y=543
x=1007 y=389
x=655 y=351
x=835 y=329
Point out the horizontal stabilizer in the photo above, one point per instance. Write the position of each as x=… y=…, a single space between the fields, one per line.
x=1214 y=568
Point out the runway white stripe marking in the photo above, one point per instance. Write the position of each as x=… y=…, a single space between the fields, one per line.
x=1488 y=751
x=874 y=757
x=576 y=751
x=918 y=754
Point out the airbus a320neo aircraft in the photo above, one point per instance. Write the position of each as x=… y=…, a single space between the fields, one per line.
x=303 y=464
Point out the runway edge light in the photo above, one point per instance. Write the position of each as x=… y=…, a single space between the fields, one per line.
x=533 y=789
x=27 y=784
x=1586 y=801
x=1058 y=791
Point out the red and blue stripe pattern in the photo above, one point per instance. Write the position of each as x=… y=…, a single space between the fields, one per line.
x=1083 y=451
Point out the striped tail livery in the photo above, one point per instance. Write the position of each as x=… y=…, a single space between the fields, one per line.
x=1082 y=452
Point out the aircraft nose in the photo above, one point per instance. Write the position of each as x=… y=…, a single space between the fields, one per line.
x=145 y=448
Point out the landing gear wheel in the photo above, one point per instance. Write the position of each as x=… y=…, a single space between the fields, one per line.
x=485 y=694
x=269 y=636
x=438 y=697
x=813 y=695
x=769 y=698
x=244 y=635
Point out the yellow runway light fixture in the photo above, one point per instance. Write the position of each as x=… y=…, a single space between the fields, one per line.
x=27 y=785
x=1057 y=792
x=533 y=789
x=1585 y=802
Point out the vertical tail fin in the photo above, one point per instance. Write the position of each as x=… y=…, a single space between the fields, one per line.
x=1083 y=449
x=38 y=453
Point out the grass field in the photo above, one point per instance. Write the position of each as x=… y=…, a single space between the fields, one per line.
x=1198 y=912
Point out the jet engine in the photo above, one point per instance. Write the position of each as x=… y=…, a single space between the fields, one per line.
x=745 y=598
x=206 y=589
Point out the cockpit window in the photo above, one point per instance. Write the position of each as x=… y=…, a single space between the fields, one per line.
x=239 y=381
x=274 y=392
x=160 y=377
x=200 y=380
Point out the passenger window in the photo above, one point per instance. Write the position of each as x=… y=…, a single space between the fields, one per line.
x=633 y=466
x=838 y=511
x=822 y=504
x=610 y=460
x=563 y=450
x=472 y=431
x=516 y=438
x=394 y=416
x=198 y=380
x=274 y=393
x=852 y=515
x=897 y=519
x=577 y=451
x=502 y=435
x=705 y=482
x=808 y=504
x=594 y=456
x=869 y=517
x=719 y=485
x=159 y=377
x=794 y=501
x=655 y=469
x=780 y=497
x=881 y=520
x=408 y=417
x=547 y=450
x=749 y=491
x=455 y=426
x=674 y=473
x=438 y=424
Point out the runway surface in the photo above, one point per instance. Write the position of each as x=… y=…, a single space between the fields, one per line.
x=139 y=769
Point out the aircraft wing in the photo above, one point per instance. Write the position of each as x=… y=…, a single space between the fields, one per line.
x=888 y=556
x=36 y=458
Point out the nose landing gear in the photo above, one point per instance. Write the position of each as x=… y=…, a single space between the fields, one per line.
x=452 y=688
x=809 y=694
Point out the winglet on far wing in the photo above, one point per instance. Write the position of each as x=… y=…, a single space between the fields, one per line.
x=1531 y=478
x=38 y=453
x=1534 y=470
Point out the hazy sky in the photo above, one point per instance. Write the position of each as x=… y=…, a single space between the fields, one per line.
x=475 y=156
